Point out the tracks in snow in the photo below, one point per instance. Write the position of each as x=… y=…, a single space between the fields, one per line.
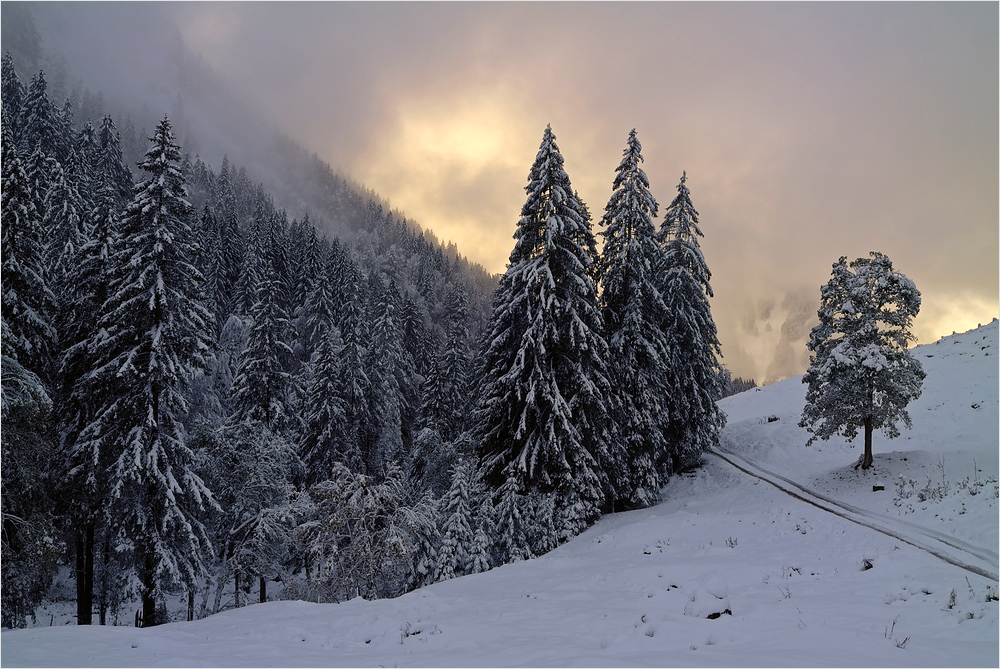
x=975 y=559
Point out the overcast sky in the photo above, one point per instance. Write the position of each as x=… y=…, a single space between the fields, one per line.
x=808 y=131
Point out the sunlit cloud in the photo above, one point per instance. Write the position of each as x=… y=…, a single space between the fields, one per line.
x=942 y=314
x=451 y=165
x=809 y=131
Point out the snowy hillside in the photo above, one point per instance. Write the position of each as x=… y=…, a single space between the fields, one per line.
x=729 y=570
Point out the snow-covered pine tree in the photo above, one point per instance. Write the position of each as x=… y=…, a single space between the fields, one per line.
x=261 y=388
x=154 y=335
x=39 y=169
x=31 y=544
x=325 y=438
x=83 y=165
x=344 y=277
x=354 y=382
x=306 y=263
x=87 y=281
x=65 y=226
x=417 y=340
x=511 y=513
x=207 y=232
x=224 y=266
x=252 y=265
x=40 y=124
x=277 y=251
x=319 y=312
x=89 y=275
x=542 y=413
x=482 y=544
x=694 y=369
x=111 y=167
x=861 y=373
x=230 y=250
x=64 y=132
x=633 y=310
x=446 y=388
x=392 y=375
x=28 y=302
x=12 y=93
x=309 y=276
x=457 y=530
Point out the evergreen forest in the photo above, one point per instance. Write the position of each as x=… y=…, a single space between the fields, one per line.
x=218 y=394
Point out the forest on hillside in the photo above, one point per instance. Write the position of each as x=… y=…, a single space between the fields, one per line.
x=203 y=395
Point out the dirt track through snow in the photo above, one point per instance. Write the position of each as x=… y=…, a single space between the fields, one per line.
x=954 y=551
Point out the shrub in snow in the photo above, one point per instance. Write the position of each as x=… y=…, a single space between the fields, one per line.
x=365 y=535
x=709 y=601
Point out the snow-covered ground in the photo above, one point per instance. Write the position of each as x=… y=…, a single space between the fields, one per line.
x=729 y=570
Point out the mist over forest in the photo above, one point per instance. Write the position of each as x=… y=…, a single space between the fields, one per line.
x=150 y=71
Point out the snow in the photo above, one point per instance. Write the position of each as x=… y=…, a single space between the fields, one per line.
x=787 y=583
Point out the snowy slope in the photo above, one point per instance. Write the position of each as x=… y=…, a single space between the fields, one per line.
x=786 y=583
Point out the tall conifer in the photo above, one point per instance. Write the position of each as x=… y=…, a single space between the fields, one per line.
x=154 y=337
x=543 y=421
x=633 y=310
x=694 y=369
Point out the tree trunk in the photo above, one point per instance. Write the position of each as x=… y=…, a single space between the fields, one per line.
x=190 y=605
x=263 y=589
x=868 y=459
x=221 y=571
x=218 y=591
x=236 y=590
x=79 y=545
x=105 y=578
x=85 y=576
x=88 y=570
x=148 y=588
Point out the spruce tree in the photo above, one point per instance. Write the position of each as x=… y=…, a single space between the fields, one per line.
x=89 y=277
x=694 y=369
x=511 y=513
x=262 y=386
x=319 y=312
x=111 y=166
x=31 y=545
x=12 y=94
x=457 y=533
x=452 y=366
x=633 y=310
x=392 y=375
x=28 y=301
x=40 y=122
x=154 y=336
x=353 y=382
x=542 y=414
x=65 y=226
x=326 y=439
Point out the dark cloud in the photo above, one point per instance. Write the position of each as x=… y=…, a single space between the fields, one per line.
x=808 y=130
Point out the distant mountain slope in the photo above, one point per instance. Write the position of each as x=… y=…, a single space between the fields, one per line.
x=162 y=76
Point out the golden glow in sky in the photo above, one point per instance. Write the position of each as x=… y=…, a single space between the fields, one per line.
x=808 y=131
x=449 y=165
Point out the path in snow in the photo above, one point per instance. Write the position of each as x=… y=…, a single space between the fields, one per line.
x=969 y=557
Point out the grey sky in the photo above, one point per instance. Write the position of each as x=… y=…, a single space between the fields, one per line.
x=808 y=131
